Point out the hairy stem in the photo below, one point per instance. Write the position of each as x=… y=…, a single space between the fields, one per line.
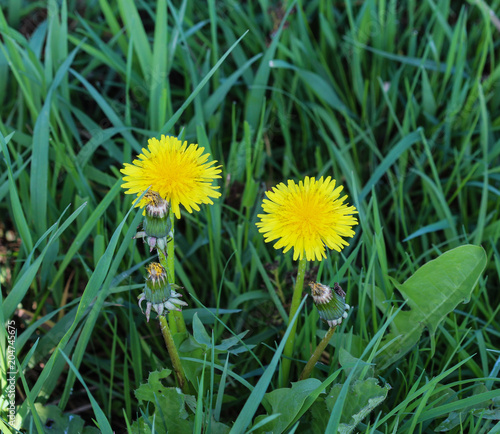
x=174 y=355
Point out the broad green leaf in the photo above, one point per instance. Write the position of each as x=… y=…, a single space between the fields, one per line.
x=171 y=408
x=287 y=402
x=349 y=362
x=199 y=333
x=319 y=416
x=171 y=414
x=57 y=422
x=362 y=398
x=432 y=293
x=191 y=353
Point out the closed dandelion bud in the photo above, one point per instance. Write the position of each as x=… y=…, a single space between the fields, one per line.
x=159 y=295
x=157 y=228
x=331 y=304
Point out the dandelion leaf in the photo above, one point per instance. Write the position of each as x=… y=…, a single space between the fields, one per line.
x=287 y=402
x=199 y=333
x=362 y=398
x=431 y=293
x=485 y=410
x=231 y=345
x=169 y=403
x=55 y=421
x=319 y=416
x=349 y=362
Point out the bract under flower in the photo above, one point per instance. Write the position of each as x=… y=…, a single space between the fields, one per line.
x=159 y=295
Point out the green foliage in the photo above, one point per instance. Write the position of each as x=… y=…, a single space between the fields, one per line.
x=170 y=405
x=488 y=409
x=200 y=346
x=170 y=408
x=285 y=405
x=362 y=398
x=399 y=101
x=431 y=293
x=55 y=421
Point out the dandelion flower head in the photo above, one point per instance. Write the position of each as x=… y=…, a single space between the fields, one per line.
x=307 y=216
x=179 y=173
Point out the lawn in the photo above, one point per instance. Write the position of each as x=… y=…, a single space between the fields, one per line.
x=397 y=102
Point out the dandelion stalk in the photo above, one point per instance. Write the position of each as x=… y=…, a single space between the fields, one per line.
x=297 y=295
x=174 y=355
x=175 y=318
x=306 y=372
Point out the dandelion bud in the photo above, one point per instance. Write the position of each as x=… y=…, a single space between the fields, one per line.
x=330 y=303
x=157 y=228
x=159 y=295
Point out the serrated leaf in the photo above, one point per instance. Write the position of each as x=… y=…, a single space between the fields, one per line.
x=170 y=414
x=147 y=391
x=432 y=293
x=362 y=398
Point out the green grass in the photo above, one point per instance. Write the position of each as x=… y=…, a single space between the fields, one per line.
x=398 y=101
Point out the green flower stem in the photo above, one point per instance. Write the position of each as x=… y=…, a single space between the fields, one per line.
x=317 y=354
x=175 y=318
x=174 y=355
x=297 y=295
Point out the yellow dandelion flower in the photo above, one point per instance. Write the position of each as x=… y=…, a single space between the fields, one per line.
x=307 y=216
x=179 y=173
